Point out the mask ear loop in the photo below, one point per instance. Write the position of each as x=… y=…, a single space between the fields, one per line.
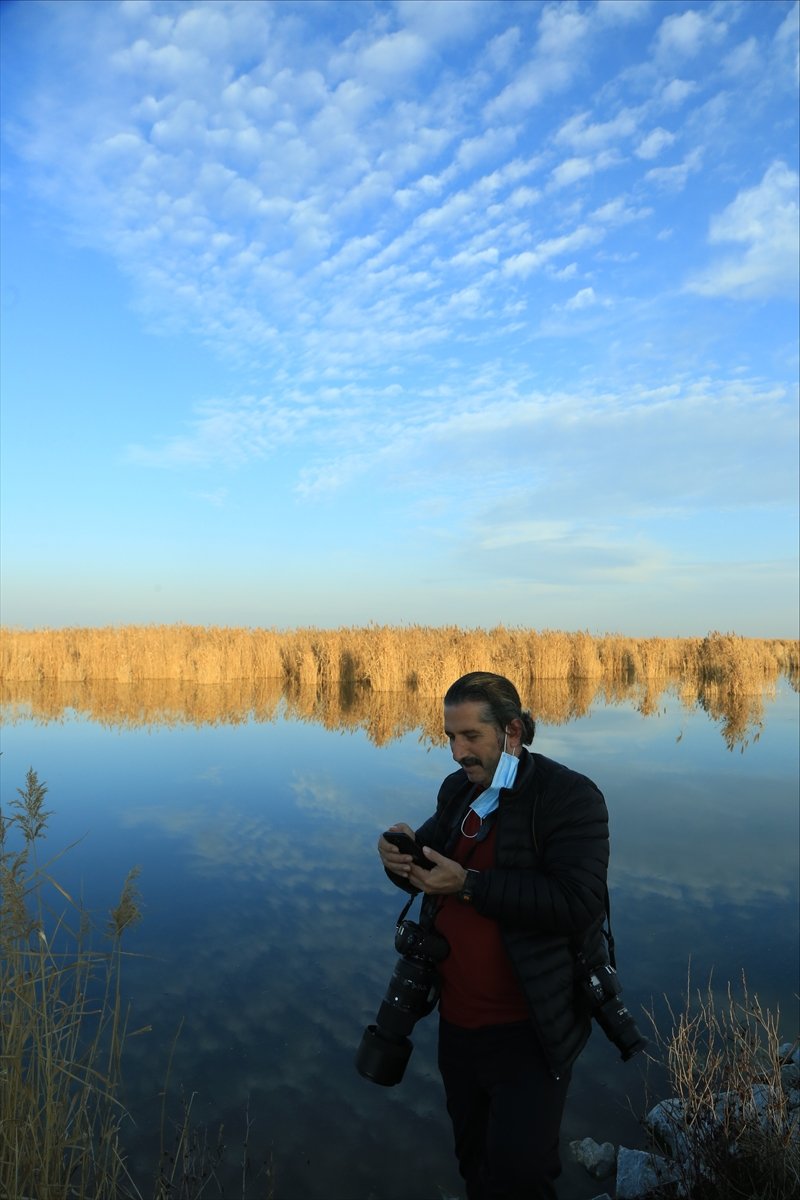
x=515 y=752
x=463 y=821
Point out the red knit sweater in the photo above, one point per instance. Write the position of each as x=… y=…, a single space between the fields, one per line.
x=479 y=986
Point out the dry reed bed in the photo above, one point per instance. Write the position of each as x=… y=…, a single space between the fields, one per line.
x=424 y=659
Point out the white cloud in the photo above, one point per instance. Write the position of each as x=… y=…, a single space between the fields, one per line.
x=584 y=301
x=476 y=257
x=787 y=42
x=684 y=35
x=764 y=220
x=489 y=144
x=744 y=59
x=530 y=260
x=522 y=197
x=623 y=446
x=392 y=58
x=619 y=212
x=654 y=142
x=587 y=136
x=585 y=298
x=502 y=48
x=229 y=433
x=631 y=444
x=202 y=29
x=677 y=91
x=673 y=179
x=562 y=31
x=440 y=22
x=572 y=170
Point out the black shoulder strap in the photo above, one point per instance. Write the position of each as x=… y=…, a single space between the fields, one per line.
x=608 y=935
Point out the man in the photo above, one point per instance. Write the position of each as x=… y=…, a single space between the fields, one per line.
x=519 y=847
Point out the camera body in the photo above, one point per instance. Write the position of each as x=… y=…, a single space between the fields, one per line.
x=413 y=992
x=413 y=941
x=601 y=986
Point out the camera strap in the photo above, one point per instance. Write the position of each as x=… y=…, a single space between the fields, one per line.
x=407 y=906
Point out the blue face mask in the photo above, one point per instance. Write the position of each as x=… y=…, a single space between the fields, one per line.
x=504 y=776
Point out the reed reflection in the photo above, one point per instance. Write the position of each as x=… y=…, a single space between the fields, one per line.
x=736 y=706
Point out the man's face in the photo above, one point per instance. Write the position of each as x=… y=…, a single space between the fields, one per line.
x=476 y=743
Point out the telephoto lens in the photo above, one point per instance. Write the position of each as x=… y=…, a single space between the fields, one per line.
x=608 y=1009
x=413 y=992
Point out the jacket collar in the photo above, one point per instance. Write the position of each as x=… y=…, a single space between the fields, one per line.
x=525 y=771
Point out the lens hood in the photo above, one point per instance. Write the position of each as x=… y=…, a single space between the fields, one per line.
x=380 y=1060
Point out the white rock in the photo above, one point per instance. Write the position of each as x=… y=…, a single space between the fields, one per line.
x=790 y=1076
x=640 y=1174
x=789 y=1052
x=598 y=1160
x=668 y=1124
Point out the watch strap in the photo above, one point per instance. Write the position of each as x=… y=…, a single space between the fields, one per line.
x=466 y=895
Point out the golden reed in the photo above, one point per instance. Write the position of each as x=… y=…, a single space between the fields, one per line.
x=386 y=679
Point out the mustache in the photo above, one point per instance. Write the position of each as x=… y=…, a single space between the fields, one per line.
x=470 y=762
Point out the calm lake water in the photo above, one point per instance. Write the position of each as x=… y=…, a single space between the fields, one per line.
x=268 y=924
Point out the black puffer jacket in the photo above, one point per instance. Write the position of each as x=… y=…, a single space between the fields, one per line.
x=547 y=889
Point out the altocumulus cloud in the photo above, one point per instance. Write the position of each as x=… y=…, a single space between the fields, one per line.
x=764 y=221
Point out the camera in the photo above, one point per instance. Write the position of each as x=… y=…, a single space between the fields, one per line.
x=412 y=993
x=603 y=989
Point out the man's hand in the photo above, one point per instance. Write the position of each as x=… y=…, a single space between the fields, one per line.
x=446 y=877
x=392 y=859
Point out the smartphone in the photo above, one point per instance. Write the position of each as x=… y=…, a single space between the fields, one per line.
x=407 y=845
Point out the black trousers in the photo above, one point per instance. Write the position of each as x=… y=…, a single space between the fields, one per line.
x=506 y=1109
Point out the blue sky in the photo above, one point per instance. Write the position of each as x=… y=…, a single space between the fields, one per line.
x=463 y=313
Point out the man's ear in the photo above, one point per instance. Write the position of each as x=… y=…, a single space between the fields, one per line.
x=514 y=731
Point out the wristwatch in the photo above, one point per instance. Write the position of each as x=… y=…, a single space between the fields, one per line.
x=466 y=895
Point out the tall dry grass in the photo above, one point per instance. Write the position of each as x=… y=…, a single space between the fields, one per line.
x=388 y=679
x=729 y=1126
x=62 y=1025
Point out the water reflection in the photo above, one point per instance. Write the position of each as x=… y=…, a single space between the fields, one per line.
x=383 y=715
x=268 y=925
